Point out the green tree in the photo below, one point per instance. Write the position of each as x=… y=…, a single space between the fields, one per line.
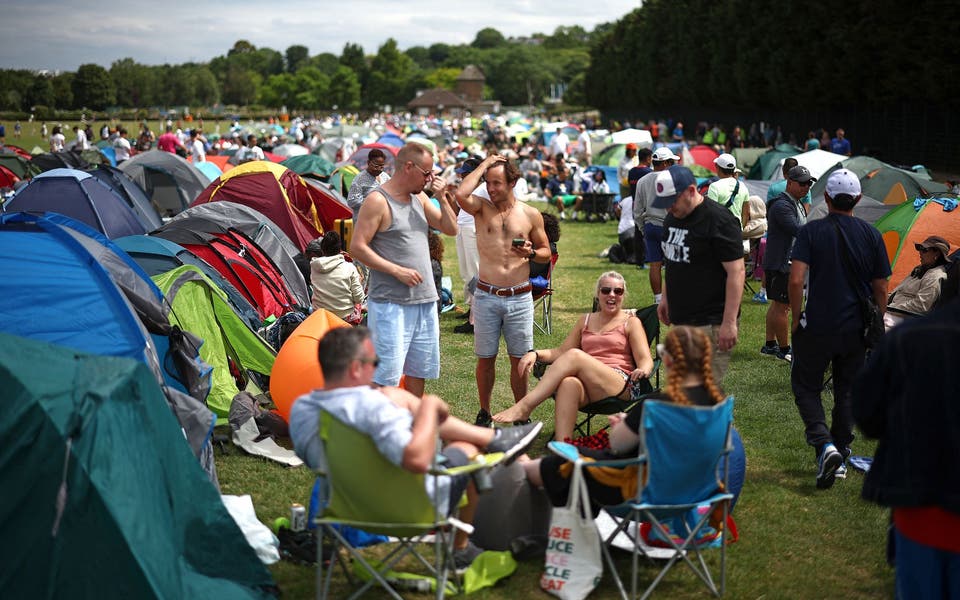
x=488 y=37
x=445 y=78
x=420 y=55
x=567 y=37
x=439 y=53
x=278 y=90
x=135 y=83
x=326 y=62
x=63 y=90
x=40 y=92
x=93 y=88
x=296 y=56
x=353 y=58
x=344 y=89
x=313 y=89
x=239 y=86
x=205 y=87
x=391 y=77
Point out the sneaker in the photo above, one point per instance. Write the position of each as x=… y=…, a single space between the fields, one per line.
x=841 y=472
x=786 y=354
x=760 y=297
x=561 y=216
x=768 y=350
x=484 y=419
x=513 y=441
x=830 y=460
x=466 y=315
x=464 y=557
x=464 y=328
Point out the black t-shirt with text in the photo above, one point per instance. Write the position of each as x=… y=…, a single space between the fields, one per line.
x=694 y=250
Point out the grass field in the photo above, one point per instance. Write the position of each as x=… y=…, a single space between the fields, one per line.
x=796 y=541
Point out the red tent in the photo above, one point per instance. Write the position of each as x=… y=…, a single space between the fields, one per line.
x=330 y=204
x=7 y=177
x=275 y=191
x=703 y=156
x=359 y=158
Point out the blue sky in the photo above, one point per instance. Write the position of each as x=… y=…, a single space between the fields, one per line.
x=63 y=34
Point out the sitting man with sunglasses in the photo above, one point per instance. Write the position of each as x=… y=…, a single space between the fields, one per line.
x=785 y=217
x=403 y=427
x=605 y=354
x=390 y=238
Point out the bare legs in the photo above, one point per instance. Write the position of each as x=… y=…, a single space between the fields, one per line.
x=777 y=323
x=656 y=278
x=414 y=385
x=595 y=378
x=486 y=376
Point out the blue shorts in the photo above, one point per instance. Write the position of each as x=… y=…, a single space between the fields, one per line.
x=652 y=237
x=512 y=315
x=407 y=340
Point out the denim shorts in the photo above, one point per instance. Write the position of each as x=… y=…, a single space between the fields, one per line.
x=407 y=340
x=652 y=236
x=512 y=315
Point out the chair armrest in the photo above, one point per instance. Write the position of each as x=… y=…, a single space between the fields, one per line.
x=481 y=461
x=572 y=453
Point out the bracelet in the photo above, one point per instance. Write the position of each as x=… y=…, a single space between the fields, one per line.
x=536 y=354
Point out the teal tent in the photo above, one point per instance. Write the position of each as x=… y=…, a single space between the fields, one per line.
x=309 y=164
x=768 y=162
x=102 y=497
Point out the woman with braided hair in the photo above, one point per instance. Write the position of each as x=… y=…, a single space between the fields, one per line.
x=687 y=356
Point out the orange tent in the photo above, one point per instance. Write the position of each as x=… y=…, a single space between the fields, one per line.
x=911 y=223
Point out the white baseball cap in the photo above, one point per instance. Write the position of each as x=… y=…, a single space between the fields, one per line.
x=843 y=181
x=663 y=153
x=725 y=161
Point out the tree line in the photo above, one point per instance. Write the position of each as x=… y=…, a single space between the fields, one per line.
x=755 y=54
x=518 y=71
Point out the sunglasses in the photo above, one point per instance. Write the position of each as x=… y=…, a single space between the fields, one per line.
x=424 y=172
x=806 y=183
x=616 y=291
x=375 y=361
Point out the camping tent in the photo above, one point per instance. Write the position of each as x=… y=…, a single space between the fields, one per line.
x=273 y=190
x=884 y=182
x=359 y=158
x=136 y=199
x=240 y=260
x=81 y=196
x=700 y=155
x=330 y=203
x=868 y=209
x=76 y=288
x=342 y=178
x=20 y=166
x=309 y=164
x=911 y=223
x=816 y=161
x=767 y=163
x=200 y=307
x=218 y=217
x=209 y=169
x=156 y=255
x=102 y=499
x=170 y=182
x=640 y=137
x=288 y=150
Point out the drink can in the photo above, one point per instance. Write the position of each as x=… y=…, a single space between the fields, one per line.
x=298 y=517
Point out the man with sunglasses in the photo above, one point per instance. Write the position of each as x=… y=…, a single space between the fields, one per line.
x=703 y=260
x=510 y=234
x=390 y=238
x=404 y=427
x=785 y=216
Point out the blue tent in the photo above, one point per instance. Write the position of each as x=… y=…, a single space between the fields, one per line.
x=391 y=139
x=136 y=198
x=211 y=170
x=80 y=196
x=157 y=255
x=73 y=287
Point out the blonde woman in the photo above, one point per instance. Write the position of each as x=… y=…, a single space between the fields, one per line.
x=606 y=354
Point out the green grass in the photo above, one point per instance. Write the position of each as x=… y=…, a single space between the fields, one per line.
x=796 y=541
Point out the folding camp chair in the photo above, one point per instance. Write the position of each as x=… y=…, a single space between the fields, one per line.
x=685 y=450
x=543 y=300
x=608 y=406
x=356 y=476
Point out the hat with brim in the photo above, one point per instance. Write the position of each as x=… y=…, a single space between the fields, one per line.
x=670 y=184
x=935 y=241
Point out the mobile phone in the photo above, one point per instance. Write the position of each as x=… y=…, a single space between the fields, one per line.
x=519 y=241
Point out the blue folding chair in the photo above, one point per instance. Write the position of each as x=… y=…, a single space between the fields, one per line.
x=685 y=452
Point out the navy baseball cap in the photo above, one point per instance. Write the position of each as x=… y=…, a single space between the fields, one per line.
x=671 y=183
x=468 y=166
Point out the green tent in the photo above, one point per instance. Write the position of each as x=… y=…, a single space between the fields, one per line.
x=767 y=163
x=309 y=164
x=102 y=497
x=203 y=309
x=342 y=178
x=886 y=183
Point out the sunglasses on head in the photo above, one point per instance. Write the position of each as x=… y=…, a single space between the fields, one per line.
x=606 y=290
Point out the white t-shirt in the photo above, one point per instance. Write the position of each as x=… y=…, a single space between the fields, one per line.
x=626 y=216
x=196 y=149
x=82 y=143
x=57 y=141
x=121 y=149
x=559 y=144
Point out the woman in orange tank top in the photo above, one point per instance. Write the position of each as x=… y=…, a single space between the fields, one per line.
x=603 y=356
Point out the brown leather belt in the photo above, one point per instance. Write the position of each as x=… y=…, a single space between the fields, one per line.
x=504 y=292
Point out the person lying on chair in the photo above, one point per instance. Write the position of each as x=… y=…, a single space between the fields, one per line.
x=606 y=354
x=687 y=356
x=403 y=427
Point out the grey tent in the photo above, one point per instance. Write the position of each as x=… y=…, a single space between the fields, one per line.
x=170 y=182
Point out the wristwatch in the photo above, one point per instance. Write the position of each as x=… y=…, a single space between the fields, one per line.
x=532 y=255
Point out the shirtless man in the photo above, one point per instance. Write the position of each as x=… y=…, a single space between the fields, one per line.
x=391 y=239
x=509 y=235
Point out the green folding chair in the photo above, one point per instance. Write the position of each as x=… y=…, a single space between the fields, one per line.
x=368 y=492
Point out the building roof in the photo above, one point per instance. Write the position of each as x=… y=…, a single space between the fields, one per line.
x=471 y=73
x=437 y=97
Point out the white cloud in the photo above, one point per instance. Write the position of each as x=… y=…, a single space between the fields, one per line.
x=55 y=34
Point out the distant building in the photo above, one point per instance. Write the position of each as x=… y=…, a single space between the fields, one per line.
x=467 y=97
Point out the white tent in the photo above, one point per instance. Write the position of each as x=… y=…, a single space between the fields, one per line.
x=288 y=150
x=640 y=137
x=816 y=161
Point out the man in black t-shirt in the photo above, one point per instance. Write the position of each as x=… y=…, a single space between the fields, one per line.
x=703 y=259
